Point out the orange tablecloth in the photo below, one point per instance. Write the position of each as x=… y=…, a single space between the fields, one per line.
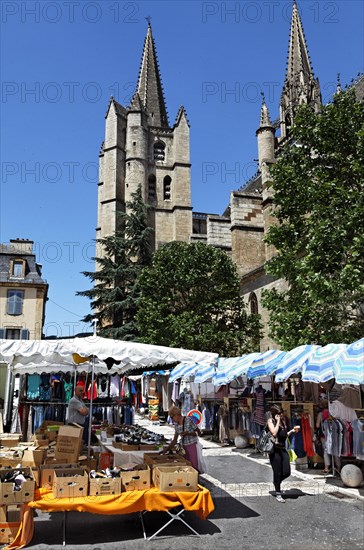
x=150 y=500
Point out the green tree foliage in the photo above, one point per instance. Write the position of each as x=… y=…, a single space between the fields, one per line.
x=115 y=294
x=190 y=298
x=319 y=237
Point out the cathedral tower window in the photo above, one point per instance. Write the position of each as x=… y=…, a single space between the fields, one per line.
x=159 y=151
x=253 y=302
x=152 y=188
x=167 y=188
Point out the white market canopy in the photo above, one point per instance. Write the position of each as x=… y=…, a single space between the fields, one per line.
x=31 y=356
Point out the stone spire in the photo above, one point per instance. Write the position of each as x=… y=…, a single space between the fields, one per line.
x=298 y=59
x=149 y=87
x=264 y=115
x=300 y=85
x=265 y=135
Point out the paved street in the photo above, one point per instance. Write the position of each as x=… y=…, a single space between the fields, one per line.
x=317 y=514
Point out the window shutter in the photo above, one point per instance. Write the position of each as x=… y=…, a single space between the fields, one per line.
x=11 y=304
x=24 y=335
x=2 y=334
x=15 y=302
x=18 y=304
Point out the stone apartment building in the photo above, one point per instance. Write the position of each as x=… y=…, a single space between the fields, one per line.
x=23 y=292
x=140 y=147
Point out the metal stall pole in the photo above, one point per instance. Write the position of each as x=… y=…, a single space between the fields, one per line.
x=90 y=413
x=8 y=397
x=91 y=399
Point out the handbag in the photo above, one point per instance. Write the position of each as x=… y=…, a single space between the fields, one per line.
x=265 y=442
x=291 y=453
x=179 y=449
x=202 y=466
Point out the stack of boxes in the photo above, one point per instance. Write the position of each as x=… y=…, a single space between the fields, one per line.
x=52 y=460
x=13 y=493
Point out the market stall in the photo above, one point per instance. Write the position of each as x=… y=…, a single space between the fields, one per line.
x=151 y=500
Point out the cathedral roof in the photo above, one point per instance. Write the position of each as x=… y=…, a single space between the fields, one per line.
x=136 y=103
x=119 y=109
x=149 y=87
x=181 y=112
x=358 y=85
x=298 y=58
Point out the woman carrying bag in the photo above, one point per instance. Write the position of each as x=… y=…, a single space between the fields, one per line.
x=187 y=429
x=279 y=458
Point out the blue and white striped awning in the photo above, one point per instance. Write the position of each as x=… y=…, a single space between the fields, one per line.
x=230 y=368
x=205 y=373
x=293 y=361
x=349 y=366
x=265 y=363
x=183 y=370
x=319 y=367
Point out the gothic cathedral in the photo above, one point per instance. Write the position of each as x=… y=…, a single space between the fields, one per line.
x=141 y=147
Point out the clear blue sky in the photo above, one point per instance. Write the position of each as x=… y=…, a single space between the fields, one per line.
x=61 y=61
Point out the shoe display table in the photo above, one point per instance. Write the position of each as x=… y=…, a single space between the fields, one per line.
x=150 y=500
x=124 y=457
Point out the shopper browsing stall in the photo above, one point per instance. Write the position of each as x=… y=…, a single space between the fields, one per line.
x=279 y=458
x=187 y=429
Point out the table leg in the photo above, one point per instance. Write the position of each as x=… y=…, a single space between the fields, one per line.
x=64 y=527
x=174 y=518
x=142 y=522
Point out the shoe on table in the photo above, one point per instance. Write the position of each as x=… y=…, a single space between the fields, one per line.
x=279 y=498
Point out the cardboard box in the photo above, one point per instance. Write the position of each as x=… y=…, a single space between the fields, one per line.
x=13 y=513
x=155 y=459
x=137 y=479
x=47 y=423
x=35 y=472
x=40 y=440
x=7 y=493
x=145 y=447
x=105 y=486
x=10 y=514
x=70 y=483
x=46 y=472
x=125 y=446
x=51 y=435
x=33 y=457
x=3 y=511
x=69 y=442
x=9 y=460
x=50 y=459
x=9 y=440
x=89 y=464
x=8 y=532
x=175 y=478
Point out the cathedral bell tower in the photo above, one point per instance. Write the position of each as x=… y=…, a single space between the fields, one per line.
x=300 y=85
x=141 y=148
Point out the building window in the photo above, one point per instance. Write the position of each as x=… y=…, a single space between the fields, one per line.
x=253 y=301
x=15 y=302
x=159 y=151
x=13 y=333
x=18 y=268
x=167 y=188
x=151 y=188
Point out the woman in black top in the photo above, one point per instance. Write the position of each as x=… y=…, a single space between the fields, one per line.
x=279 y=458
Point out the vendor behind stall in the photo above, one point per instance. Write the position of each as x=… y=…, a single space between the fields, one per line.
x=77 y=410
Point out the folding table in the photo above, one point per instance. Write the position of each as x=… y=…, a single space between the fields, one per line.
x=149 y=500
